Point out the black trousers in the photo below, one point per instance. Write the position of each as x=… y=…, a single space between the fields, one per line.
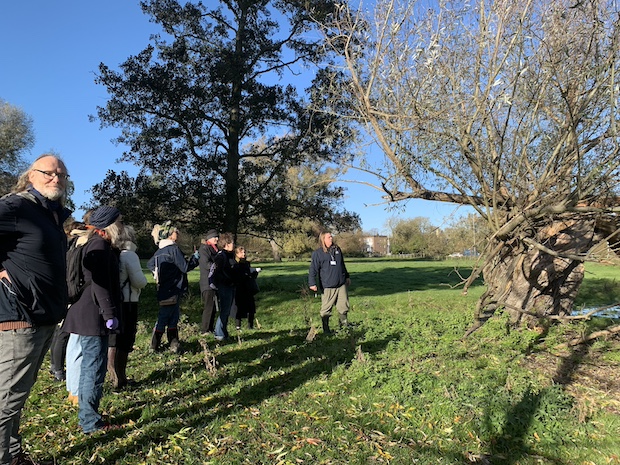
x=58 y=349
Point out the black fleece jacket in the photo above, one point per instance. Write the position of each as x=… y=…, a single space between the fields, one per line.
x=33 y=249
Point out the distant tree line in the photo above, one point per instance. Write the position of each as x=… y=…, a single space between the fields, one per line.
x=466 y=236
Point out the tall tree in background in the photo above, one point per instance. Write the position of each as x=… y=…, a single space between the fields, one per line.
x=413 y=236
x=509 y=107
x=16 y=137
x=204 y=116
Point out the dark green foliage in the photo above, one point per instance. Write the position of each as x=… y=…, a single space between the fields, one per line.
x=213 y=129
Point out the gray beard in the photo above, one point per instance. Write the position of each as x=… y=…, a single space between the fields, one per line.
x=53 y=194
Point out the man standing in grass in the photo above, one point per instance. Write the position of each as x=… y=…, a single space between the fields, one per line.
x=33 y=290
x=327 y=270
x=207 y=251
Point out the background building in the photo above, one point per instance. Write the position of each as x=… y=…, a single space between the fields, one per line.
x=377 y=245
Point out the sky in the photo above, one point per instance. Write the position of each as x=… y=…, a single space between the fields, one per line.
x=49 y=55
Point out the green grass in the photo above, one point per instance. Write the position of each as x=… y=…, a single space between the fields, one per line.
x=401 y=387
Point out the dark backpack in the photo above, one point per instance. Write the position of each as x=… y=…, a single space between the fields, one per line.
x=76 y=283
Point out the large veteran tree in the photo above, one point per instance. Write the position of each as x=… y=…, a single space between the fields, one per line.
x=205 y=116
x=510 y=107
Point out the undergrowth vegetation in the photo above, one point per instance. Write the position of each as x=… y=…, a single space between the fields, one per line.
x=400 y=387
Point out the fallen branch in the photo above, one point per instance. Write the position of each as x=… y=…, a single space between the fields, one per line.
x=209 y=358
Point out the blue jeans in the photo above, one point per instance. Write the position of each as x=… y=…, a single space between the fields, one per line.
x=92 y=376
x=73 y=363
x=226 y=296
x=168 y=316
x=21 y=355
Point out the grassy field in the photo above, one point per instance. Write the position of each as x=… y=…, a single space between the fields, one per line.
x=401 y=387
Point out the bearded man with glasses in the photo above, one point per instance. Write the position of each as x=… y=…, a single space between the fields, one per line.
x=33 y=294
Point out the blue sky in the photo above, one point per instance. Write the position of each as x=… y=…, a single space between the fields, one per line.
x=48 y=59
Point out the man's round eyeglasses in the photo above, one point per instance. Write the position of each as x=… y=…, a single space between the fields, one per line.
x=53 y=174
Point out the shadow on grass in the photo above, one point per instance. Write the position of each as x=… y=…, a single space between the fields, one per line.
x=510 y=447
x=285 y=356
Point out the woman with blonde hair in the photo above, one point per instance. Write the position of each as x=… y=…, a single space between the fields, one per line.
x=329 y=273
x=132 y=281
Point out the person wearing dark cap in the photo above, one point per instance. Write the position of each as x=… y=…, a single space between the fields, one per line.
x=207 y=250
x=33 y=290
x=91 y=319
x=169 y=268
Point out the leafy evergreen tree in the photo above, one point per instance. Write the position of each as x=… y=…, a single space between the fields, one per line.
x=214 y=131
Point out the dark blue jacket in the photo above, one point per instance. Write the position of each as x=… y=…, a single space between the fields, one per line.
x=171 y=270
x=323 y=273
x=33 y=249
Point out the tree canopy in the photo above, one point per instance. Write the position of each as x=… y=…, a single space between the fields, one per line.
x=16 y=137
x=216 y=134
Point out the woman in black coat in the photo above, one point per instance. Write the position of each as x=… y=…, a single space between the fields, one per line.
x=91 y=319
x=246 y=289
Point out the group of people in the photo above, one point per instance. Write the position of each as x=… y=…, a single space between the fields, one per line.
x=227 y=284
x=97 y=331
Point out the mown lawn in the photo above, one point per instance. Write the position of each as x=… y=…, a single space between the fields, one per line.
x=401 y=387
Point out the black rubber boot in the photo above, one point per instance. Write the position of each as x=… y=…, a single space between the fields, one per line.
x=156 y=341
x=121 y=368
x=173 y=339
x=325 y=321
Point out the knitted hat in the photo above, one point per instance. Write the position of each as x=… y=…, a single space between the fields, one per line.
x=104 y=216
x=211 y=234
x=166 y=229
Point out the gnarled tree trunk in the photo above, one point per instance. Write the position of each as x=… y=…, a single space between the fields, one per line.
x=538 y=272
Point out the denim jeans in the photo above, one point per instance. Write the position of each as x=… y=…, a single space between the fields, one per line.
x=92 y=376
x=73 y=363
x=168 y=316
x=21 y=355
x=226 y=295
